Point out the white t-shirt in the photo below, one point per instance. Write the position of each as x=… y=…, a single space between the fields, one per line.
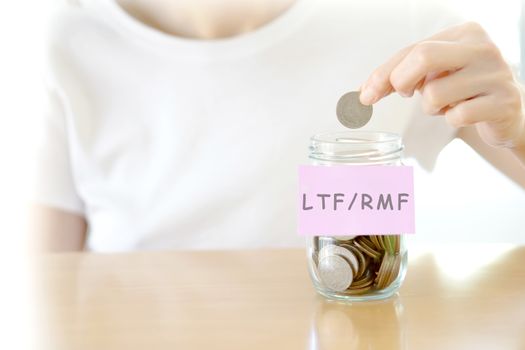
x=165 y=143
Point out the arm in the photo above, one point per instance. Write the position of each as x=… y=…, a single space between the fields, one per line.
x=55 y=230
x=52 y=229
x=519 y=149
x=463 y=77
x=501 y=159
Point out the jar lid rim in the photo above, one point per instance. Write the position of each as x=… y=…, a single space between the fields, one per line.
x=356 y=136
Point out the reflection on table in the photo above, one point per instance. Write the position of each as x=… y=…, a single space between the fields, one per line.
x=463 y=297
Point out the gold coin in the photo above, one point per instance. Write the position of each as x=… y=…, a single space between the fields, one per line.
x=394 y=271
x=366 y=240
x=344 y=238
x=366 y=248
x=377 y=242
x=365 y=281
x=398 y=244
x=391 y=243
x=384 y=271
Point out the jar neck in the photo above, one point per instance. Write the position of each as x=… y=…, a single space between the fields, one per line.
x=356 y=147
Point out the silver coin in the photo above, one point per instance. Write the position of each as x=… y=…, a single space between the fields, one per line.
x=345 y=253
x=315 y=261
x=351 y=112
x=315 y=243
x=335 y=273
x=323 y=241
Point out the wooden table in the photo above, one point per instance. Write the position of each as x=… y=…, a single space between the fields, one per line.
x=468 y=297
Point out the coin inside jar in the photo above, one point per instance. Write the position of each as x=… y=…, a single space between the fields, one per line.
x=351 y=112
x=344 y=238
x=343 y=252
x=365 y=264
x=335 y=272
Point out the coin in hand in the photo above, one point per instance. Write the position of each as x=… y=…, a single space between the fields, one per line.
x=351 y=112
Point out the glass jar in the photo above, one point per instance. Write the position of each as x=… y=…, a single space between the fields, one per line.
x=362 y=267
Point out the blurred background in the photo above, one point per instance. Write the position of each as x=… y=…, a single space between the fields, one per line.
x=467 y=193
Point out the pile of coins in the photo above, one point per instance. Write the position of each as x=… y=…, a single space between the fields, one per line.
x=354 y=265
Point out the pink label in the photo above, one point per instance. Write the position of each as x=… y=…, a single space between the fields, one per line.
x=355 y=200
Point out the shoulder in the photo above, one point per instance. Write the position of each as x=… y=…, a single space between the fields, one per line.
x=74 y=33
x=74 y=21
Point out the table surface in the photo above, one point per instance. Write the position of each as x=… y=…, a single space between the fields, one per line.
x=460 y=297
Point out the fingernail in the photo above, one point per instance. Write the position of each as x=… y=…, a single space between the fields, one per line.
x=404 y=94
x=367 y=97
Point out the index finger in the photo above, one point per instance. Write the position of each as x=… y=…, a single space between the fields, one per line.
x=378 y=84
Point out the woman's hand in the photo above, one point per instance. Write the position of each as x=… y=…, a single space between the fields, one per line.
x=461 y=75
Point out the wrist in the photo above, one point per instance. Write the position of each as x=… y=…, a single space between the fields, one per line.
x=518 y=148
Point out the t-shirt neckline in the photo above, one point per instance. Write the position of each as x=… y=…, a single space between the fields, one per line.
x=206 y=49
